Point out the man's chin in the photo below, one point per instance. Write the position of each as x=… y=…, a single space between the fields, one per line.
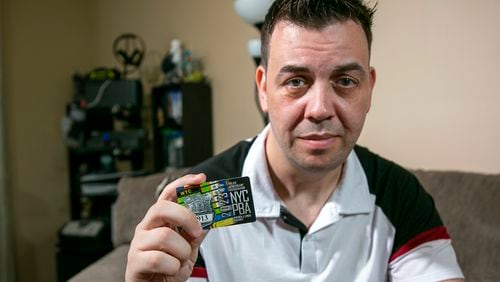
x=317 y=163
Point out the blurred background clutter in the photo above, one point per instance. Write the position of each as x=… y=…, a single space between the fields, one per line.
x=111 y=132
x=91 y=91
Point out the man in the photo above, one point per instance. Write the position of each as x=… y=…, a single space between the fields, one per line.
x=327 y=210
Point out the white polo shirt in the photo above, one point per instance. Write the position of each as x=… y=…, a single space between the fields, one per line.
x=351 y=239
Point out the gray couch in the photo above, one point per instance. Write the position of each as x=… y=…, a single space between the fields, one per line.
x=469 y=204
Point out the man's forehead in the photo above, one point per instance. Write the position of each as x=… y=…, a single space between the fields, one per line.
x=287 y=32
x=284 y=23
x=338 y=39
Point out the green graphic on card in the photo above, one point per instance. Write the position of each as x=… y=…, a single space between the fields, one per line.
x=219 y=203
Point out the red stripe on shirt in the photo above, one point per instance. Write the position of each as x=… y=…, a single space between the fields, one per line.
x=199 y=272
x=435 y=233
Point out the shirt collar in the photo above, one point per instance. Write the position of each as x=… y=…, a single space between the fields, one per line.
x=265 y=199
x=350 y=197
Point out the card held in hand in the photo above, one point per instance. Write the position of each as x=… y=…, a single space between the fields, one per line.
x=219 y=203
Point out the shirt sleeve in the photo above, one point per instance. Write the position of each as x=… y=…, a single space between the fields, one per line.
x=421 y=249
x=199 y=273
x=430 y=261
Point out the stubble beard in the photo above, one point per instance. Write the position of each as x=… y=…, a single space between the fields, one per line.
x=315 y=161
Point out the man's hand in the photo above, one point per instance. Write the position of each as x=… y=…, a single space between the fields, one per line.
x=166 y=242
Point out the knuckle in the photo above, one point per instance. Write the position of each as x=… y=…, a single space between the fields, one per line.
x=156 y=207
x=185 y=253
x=181 y=250
x=156 y=263
x=131 y=257
x=165 y=234
x=138 y=228
x=188 y=217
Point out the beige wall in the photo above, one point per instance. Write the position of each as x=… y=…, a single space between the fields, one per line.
x=437 y=100
x=6 y=241
x=45 y=42
x=436 y=104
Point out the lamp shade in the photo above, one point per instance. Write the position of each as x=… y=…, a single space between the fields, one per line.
x=252 y=11
x=253 y=46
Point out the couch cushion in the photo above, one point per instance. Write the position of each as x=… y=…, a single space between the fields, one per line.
x=469 y=204
x=135 y=196
x=111 y=267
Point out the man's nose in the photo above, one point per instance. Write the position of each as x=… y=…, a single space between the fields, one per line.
x=320 y=104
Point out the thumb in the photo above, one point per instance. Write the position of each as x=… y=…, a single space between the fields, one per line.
x=169 y=193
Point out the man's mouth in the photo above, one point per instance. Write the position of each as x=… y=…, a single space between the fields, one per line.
x=318 y=141
x=317 y=136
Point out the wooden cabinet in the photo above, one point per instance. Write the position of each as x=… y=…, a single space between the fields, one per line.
x=182 y=125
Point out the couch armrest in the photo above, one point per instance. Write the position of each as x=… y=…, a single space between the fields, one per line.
x=135 y=196
x=469 y=206
x=111 y=267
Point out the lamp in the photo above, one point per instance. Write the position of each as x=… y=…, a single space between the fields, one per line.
x=253 y=46
x=254 y=12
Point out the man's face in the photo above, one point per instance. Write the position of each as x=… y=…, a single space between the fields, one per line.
x=317 y=91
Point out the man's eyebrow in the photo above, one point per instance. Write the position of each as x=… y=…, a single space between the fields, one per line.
x=287 y=69
x=349 y=67
x=291 y=69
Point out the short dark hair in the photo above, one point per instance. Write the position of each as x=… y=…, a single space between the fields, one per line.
x=315 y=14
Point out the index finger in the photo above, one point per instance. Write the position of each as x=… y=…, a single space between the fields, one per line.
x=169 y=214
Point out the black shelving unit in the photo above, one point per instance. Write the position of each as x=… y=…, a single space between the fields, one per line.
x=181 y=111
x=110 y=138
x=85 y=161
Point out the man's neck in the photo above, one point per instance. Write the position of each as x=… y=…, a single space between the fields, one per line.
x=304 y=192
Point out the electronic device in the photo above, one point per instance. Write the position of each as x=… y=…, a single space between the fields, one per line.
x=129 y=50
x=109 y=93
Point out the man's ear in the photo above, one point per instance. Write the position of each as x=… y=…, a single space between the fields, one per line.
x=260 y=80
x=373 y=79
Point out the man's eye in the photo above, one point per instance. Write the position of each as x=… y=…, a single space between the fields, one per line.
x=346 y=82
x=296 y=82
